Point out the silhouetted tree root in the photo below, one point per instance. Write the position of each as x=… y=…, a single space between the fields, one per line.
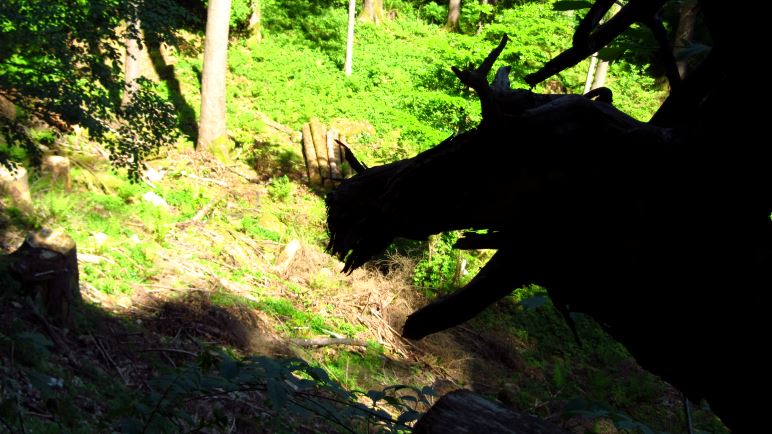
x=634 y=224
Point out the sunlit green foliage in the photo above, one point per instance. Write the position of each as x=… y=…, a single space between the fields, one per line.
x=61 y=62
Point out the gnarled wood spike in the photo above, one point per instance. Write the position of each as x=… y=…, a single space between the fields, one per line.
x=477 y=79
x=501 y=80
x=602 y=94
x=355 y=164
x=654 y=23
x=492 y=283
x=634 y=11
x=590 y=21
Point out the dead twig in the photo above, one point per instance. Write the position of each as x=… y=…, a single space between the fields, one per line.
x=169 y=350
x=203 y=212
x=108 y=358
x=200 y=178
x=320 y=342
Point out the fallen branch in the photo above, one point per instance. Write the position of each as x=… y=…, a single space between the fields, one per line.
x=169 y=350
x=199 y=178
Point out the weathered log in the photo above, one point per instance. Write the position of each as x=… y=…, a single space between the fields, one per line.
x=463 y=411
x=309 y=151
x=333 y=153
x=46 y=264
x=320 y=145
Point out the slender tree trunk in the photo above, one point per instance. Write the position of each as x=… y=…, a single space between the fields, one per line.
x=480 y=22
x=454 y=13
x=255 y=28
x=685 y=32
x=352 y=6
x=131 y=63
x=212 y=124
x=601 y=70
x=591 y=73
x=372 y=11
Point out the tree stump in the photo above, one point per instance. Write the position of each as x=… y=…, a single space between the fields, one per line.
x=14 y=183
x=46 y=264
x=58 y=168
x=463 y=411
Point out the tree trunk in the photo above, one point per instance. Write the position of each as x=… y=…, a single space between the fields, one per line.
x=211 y=127
x=480 y=22
x=601 y=67
x=255 y=28
x=591 y=73
x=352 y=4
x=601 y=71
x=454 y=13
x=131 y=63
x=309 y=151
x=47 y=266
x=685 y=32
x=319 y=134
x=463 y=411
x=372 y=11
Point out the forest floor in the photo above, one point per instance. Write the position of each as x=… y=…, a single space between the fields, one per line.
x=204 y=263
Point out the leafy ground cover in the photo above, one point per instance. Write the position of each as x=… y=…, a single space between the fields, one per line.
x=198 y=317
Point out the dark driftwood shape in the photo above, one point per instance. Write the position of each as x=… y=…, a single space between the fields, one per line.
x=464 y=412
x=659 y=231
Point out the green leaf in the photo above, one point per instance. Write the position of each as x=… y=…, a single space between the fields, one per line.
x=571 y=5
x=610 y=53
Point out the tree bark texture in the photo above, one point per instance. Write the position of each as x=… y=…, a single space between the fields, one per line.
x=372 y=11
x=454 y=13
x=463 y=411
x=255 y=26
x=131 y=63
x=685 y=32
x=212 y=125
x=47 y=266
x=309 y=152
x=348 y=66
x=324 y=154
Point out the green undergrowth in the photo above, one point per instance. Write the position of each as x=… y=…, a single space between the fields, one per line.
x=401 y=83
